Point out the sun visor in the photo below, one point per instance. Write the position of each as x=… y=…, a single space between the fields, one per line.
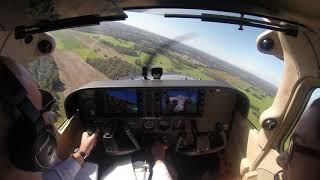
x=40 y=14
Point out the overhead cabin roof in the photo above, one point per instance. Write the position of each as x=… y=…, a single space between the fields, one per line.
x=304 y=12
x=15 y=13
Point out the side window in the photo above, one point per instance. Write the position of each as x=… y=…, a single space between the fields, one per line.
x=45 y=72
x=315 y=95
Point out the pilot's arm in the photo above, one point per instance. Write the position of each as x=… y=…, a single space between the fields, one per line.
x=160 y=170
x=68 y=169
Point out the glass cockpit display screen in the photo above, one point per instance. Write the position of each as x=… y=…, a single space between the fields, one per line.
x=121 y=102
x=180 y=101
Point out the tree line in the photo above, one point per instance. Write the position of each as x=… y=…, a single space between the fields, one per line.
x=113 y=67
x=120 y=49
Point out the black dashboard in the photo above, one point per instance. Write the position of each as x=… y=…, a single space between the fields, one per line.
x=192 y=116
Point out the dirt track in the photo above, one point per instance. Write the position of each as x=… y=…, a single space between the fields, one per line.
x=73 y=71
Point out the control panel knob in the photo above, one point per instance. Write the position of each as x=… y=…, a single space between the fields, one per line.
x=108 y=131
x=107 y=135
x=92 y=112
x=164 y=125
x=179 y=124
x=148 y=124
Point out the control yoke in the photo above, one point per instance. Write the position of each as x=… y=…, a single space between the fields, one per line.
x=110 y=142
x=203 y=143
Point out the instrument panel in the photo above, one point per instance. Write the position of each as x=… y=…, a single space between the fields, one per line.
x=194 y=116
x=141 y=102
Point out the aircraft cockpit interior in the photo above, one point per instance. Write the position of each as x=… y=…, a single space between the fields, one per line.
x=183 y=90
x=193 y=117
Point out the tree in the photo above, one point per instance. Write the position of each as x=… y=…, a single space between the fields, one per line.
x=114 y=67
x=45 y=72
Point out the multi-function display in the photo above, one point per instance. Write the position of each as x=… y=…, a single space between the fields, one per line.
x=121 y=101
x=180 y=101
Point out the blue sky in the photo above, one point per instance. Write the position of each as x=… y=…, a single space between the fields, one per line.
x=221 y=40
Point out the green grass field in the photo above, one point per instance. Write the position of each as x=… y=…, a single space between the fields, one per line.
x=112 y=40
x=258 y=98
x=65 y=41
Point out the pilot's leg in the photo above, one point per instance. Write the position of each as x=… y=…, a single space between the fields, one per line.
x=120 y=169
x=88 y=171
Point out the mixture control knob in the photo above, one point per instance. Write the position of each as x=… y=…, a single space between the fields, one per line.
x=164 y=125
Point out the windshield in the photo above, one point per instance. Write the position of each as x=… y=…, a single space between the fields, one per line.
x=184 y=48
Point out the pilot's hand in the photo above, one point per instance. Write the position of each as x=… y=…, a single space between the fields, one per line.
x=158 y=151
x=88 y=142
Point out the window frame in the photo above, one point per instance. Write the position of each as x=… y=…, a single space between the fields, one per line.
x=286 y=138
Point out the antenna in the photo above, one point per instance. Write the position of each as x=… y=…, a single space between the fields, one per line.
x=145 y=72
